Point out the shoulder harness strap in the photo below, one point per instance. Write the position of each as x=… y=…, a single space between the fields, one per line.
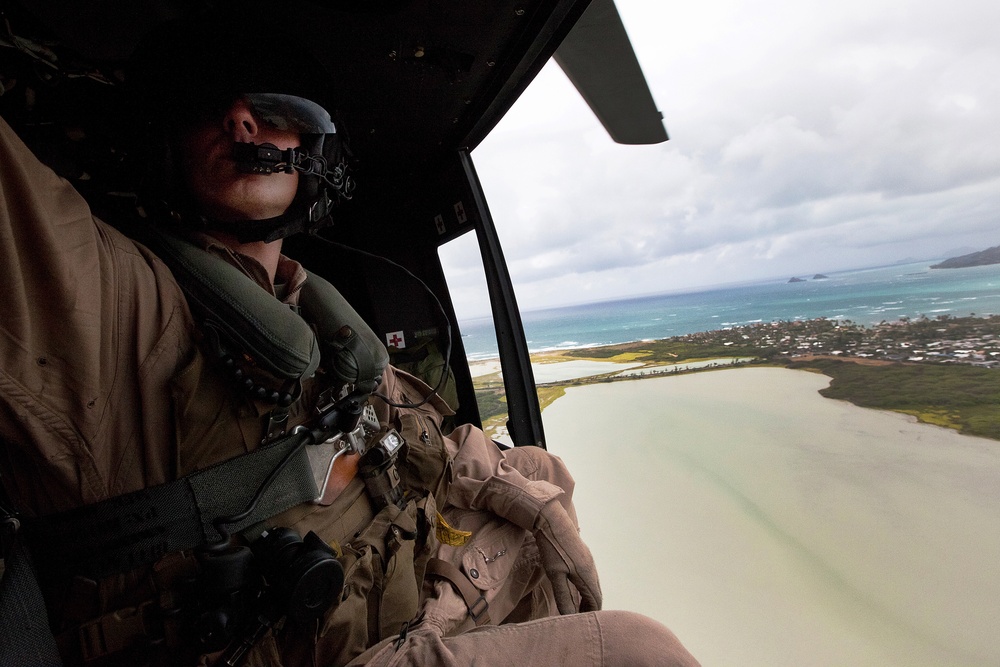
x=475 y=600
x=179 y=515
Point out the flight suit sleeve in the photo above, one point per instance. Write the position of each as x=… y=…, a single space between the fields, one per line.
x=90 y=328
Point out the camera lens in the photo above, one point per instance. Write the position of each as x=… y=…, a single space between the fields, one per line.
x=316 y=581
x=305 y=575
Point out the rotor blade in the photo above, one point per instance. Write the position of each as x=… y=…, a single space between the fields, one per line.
x=598 y=58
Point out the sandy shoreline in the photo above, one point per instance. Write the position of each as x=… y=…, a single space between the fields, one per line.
x=548 y=369
x=768 y=525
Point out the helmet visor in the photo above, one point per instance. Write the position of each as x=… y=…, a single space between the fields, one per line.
x=291 y=113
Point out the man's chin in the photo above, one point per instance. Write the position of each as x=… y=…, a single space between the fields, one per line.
x=246 y=200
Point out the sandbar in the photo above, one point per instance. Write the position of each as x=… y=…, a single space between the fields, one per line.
x=480 y=368
x=767 y=525
x=555 y=371
x=684 y=366
x=578 y=368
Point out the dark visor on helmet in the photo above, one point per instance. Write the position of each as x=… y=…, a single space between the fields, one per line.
x=291 y=113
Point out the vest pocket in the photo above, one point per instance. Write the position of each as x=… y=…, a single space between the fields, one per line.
x=424 y=465
x=380 y=590
x=490 y=554
x=345 y=632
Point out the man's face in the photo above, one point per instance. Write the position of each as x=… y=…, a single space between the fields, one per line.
x=221 y=191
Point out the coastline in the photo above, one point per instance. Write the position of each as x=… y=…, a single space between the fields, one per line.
x=768 y=525
x=942 y=371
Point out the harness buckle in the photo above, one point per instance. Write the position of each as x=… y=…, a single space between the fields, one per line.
x=120 y=630
x=476 y=615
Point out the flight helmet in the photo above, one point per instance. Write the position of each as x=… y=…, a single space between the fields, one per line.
x=188 y=71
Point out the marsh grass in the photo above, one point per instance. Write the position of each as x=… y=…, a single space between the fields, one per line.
x=962 y=397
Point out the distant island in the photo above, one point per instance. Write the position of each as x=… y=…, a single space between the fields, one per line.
x=797 y=280
x=820 y=276
x=981 y=258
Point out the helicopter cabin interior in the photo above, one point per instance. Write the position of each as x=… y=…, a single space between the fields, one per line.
x=420 y=84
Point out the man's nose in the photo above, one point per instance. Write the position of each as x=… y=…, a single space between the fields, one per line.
x=239 y=121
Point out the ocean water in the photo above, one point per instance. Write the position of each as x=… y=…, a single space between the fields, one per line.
x=866 y=296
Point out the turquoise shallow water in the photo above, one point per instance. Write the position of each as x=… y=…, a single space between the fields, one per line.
x=865 y=296
x=769 y=526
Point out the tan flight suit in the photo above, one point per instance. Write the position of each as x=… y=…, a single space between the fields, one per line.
x=104 y=391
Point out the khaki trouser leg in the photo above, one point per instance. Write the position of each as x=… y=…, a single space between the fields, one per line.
x=595 y=639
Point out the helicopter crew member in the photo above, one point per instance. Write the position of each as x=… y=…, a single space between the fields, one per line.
x=121 y=375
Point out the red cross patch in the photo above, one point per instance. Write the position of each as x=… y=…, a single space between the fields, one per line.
x=396 y=339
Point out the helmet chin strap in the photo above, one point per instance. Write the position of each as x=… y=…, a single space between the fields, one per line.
x=262 y=159
x=268 y=159
x=265 y=159
x=267 y=230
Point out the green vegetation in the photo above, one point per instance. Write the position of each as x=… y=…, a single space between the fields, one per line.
x=547 y=395
x=958 y=396
x=492 y=402
x=669 y=350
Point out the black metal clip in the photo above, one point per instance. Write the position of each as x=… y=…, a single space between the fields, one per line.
x=9 y=527
x=402 y=635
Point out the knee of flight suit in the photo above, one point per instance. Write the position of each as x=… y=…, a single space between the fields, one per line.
x=628 y=638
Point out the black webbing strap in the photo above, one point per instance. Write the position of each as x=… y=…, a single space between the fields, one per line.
x=474 y=598
x=25 y=638
x=137 y=529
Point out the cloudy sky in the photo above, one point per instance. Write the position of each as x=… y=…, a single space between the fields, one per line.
x=806 y=137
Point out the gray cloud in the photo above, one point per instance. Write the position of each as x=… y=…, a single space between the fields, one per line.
x=805 y=137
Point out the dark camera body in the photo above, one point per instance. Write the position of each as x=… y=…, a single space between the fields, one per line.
x=304 y=575
x=243 y=588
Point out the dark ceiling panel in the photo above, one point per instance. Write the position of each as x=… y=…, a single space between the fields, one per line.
x=415 y=80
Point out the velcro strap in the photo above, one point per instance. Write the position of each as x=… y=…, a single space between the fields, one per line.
x=113 y=632
x=475 y=600
x=136 y=529
x=384 y=488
